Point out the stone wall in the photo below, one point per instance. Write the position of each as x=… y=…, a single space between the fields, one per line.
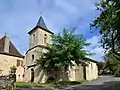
x=91 y=71
x=6 y=62
x=7 y=83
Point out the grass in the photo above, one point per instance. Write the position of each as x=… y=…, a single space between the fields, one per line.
x=27 y=85
x=60 y=83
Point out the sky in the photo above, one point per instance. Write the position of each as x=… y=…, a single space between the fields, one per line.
x=18 y=17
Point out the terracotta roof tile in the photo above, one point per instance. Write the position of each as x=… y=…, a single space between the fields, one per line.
x=12 y=49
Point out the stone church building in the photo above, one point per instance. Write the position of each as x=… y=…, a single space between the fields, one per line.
x=39 y=37
x=27 y=70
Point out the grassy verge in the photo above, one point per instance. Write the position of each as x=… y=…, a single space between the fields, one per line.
x=26 y=85
x=60 y=83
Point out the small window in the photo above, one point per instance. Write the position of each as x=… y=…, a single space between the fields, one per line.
x=18 y=63
x=23 y=75
x=21 y=63
x=32 y=57
x=33 y=37
x=45 y=38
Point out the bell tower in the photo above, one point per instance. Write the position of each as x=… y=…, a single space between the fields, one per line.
x=39 y=35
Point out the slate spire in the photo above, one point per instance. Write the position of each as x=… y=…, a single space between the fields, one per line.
x=41 y=23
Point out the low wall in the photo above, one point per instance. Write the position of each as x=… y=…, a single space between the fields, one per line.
x=6 y=83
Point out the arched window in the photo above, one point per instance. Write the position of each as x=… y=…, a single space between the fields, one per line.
x=45 y=38
x=33 y=57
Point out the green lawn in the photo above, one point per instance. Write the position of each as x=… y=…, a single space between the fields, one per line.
x=65 y=83
x=26 y=85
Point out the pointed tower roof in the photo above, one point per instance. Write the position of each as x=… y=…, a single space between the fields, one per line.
x=41 y=24
x=12 y=50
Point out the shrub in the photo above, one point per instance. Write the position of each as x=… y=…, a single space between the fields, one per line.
x=50 y=80
x=117 y=73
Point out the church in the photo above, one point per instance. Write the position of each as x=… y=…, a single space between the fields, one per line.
x=27 y=70
x=39 y=37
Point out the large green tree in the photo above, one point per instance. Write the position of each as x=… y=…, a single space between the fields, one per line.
x=101 y=67
x=112 y=63
x=67 y=49
x=108 y=24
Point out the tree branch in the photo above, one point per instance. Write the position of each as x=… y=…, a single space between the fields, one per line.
x=116 y=57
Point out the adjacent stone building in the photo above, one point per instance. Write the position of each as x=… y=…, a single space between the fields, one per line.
x=89 y=71
x=10 y=56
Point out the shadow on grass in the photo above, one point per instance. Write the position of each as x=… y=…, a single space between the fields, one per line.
x=65 y=84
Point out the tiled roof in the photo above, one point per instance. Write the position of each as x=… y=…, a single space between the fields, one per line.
x=12 y=50
x=41 y=24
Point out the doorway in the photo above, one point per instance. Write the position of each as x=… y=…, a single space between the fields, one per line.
x=84 y=72
x=32 y=75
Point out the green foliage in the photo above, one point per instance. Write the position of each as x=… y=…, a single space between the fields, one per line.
x=50 y=80
x=108 y=25
x=112 y=64
x=13 y=68
x=101 y=67
x=66 y=50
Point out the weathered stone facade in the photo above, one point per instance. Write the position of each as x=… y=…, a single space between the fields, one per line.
x=39 y=37
x=6 y=62
x=9 y=56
